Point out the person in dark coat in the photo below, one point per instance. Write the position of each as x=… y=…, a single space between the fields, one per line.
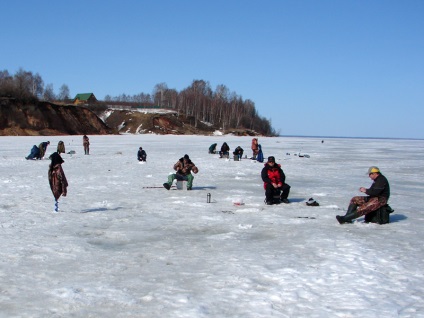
x=377 y=196
x=57 y=178
x=141 y=154
x=212 y=149
x=260 y=156
x=225 y=150
x=43 y=148
x=183 y=168
x=86 y=144
x=274 y=183
x=34 y=154
x=238 y=152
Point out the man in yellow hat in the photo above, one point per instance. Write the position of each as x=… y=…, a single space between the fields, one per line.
x=377 y=196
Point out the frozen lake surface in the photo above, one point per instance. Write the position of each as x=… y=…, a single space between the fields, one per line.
x=123 y=246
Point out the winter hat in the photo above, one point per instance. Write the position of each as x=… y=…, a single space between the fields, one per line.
x=56 y=159
x=271 y=159
x=373 y=169
x=186 y=157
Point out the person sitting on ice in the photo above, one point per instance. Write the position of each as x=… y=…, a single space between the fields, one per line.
x=377 y=196
x=141 y=154
x=238 y=152
x=34 y=154
x=225 y=150
x=61 y=147
x=183 y=169
x=212 y=149
x=276 y=188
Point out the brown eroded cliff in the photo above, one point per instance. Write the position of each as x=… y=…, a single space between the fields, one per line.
x=47 y=119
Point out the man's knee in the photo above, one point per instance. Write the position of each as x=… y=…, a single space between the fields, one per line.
x=285 y=187
x=358 y=200
x=171 y=177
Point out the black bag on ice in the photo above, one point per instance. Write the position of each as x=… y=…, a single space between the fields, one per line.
x=379 y=216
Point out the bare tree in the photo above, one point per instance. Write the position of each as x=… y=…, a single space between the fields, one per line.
x=49 y=93
x=37 y=85
x=158 y=93
x=7 y=84
x=63 y=92
x=27 y=85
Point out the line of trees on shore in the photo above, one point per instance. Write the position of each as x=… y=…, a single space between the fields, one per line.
x=28 y=87
x=219 y=107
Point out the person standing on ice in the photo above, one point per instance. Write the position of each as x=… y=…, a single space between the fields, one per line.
x=183 y=169
x=255 y=148
x=86 y=144
x=377 y=196
x=274 y=183
x=57 y=178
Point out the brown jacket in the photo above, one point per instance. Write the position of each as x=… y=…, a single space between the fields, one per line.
x=185 y=168
x=58 y=182
x=254 y=147
x=61 y=147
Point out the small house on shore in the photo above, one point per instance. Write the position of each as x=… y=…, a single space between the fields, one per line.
x=86 y=98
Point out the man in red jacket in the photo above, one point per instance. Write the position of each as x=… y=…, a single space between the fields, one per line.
x=274 y=183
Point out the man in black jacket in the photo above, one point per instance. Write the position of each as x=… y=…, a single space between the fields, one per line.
x=141 y=154
x=377 y=196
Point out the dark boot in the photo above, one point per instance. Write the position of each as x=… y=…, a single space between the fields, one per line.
x=351 y=208
x=347 y=218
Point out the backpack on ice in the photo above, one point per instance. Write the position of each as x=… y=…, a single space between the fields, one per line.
x=379 y=216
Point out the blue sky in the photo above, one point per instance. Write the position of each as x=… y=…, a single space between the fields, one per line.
x=315 y=68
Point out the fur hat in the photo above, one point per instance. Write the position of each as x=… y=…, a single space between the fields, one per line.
x=56 y=159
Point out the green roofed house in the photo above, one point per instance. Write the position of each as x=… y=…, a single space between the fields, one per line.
x=86 y=98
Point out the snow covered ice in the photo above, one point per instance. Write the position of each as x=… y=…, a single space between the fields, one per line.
x=121 y=248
